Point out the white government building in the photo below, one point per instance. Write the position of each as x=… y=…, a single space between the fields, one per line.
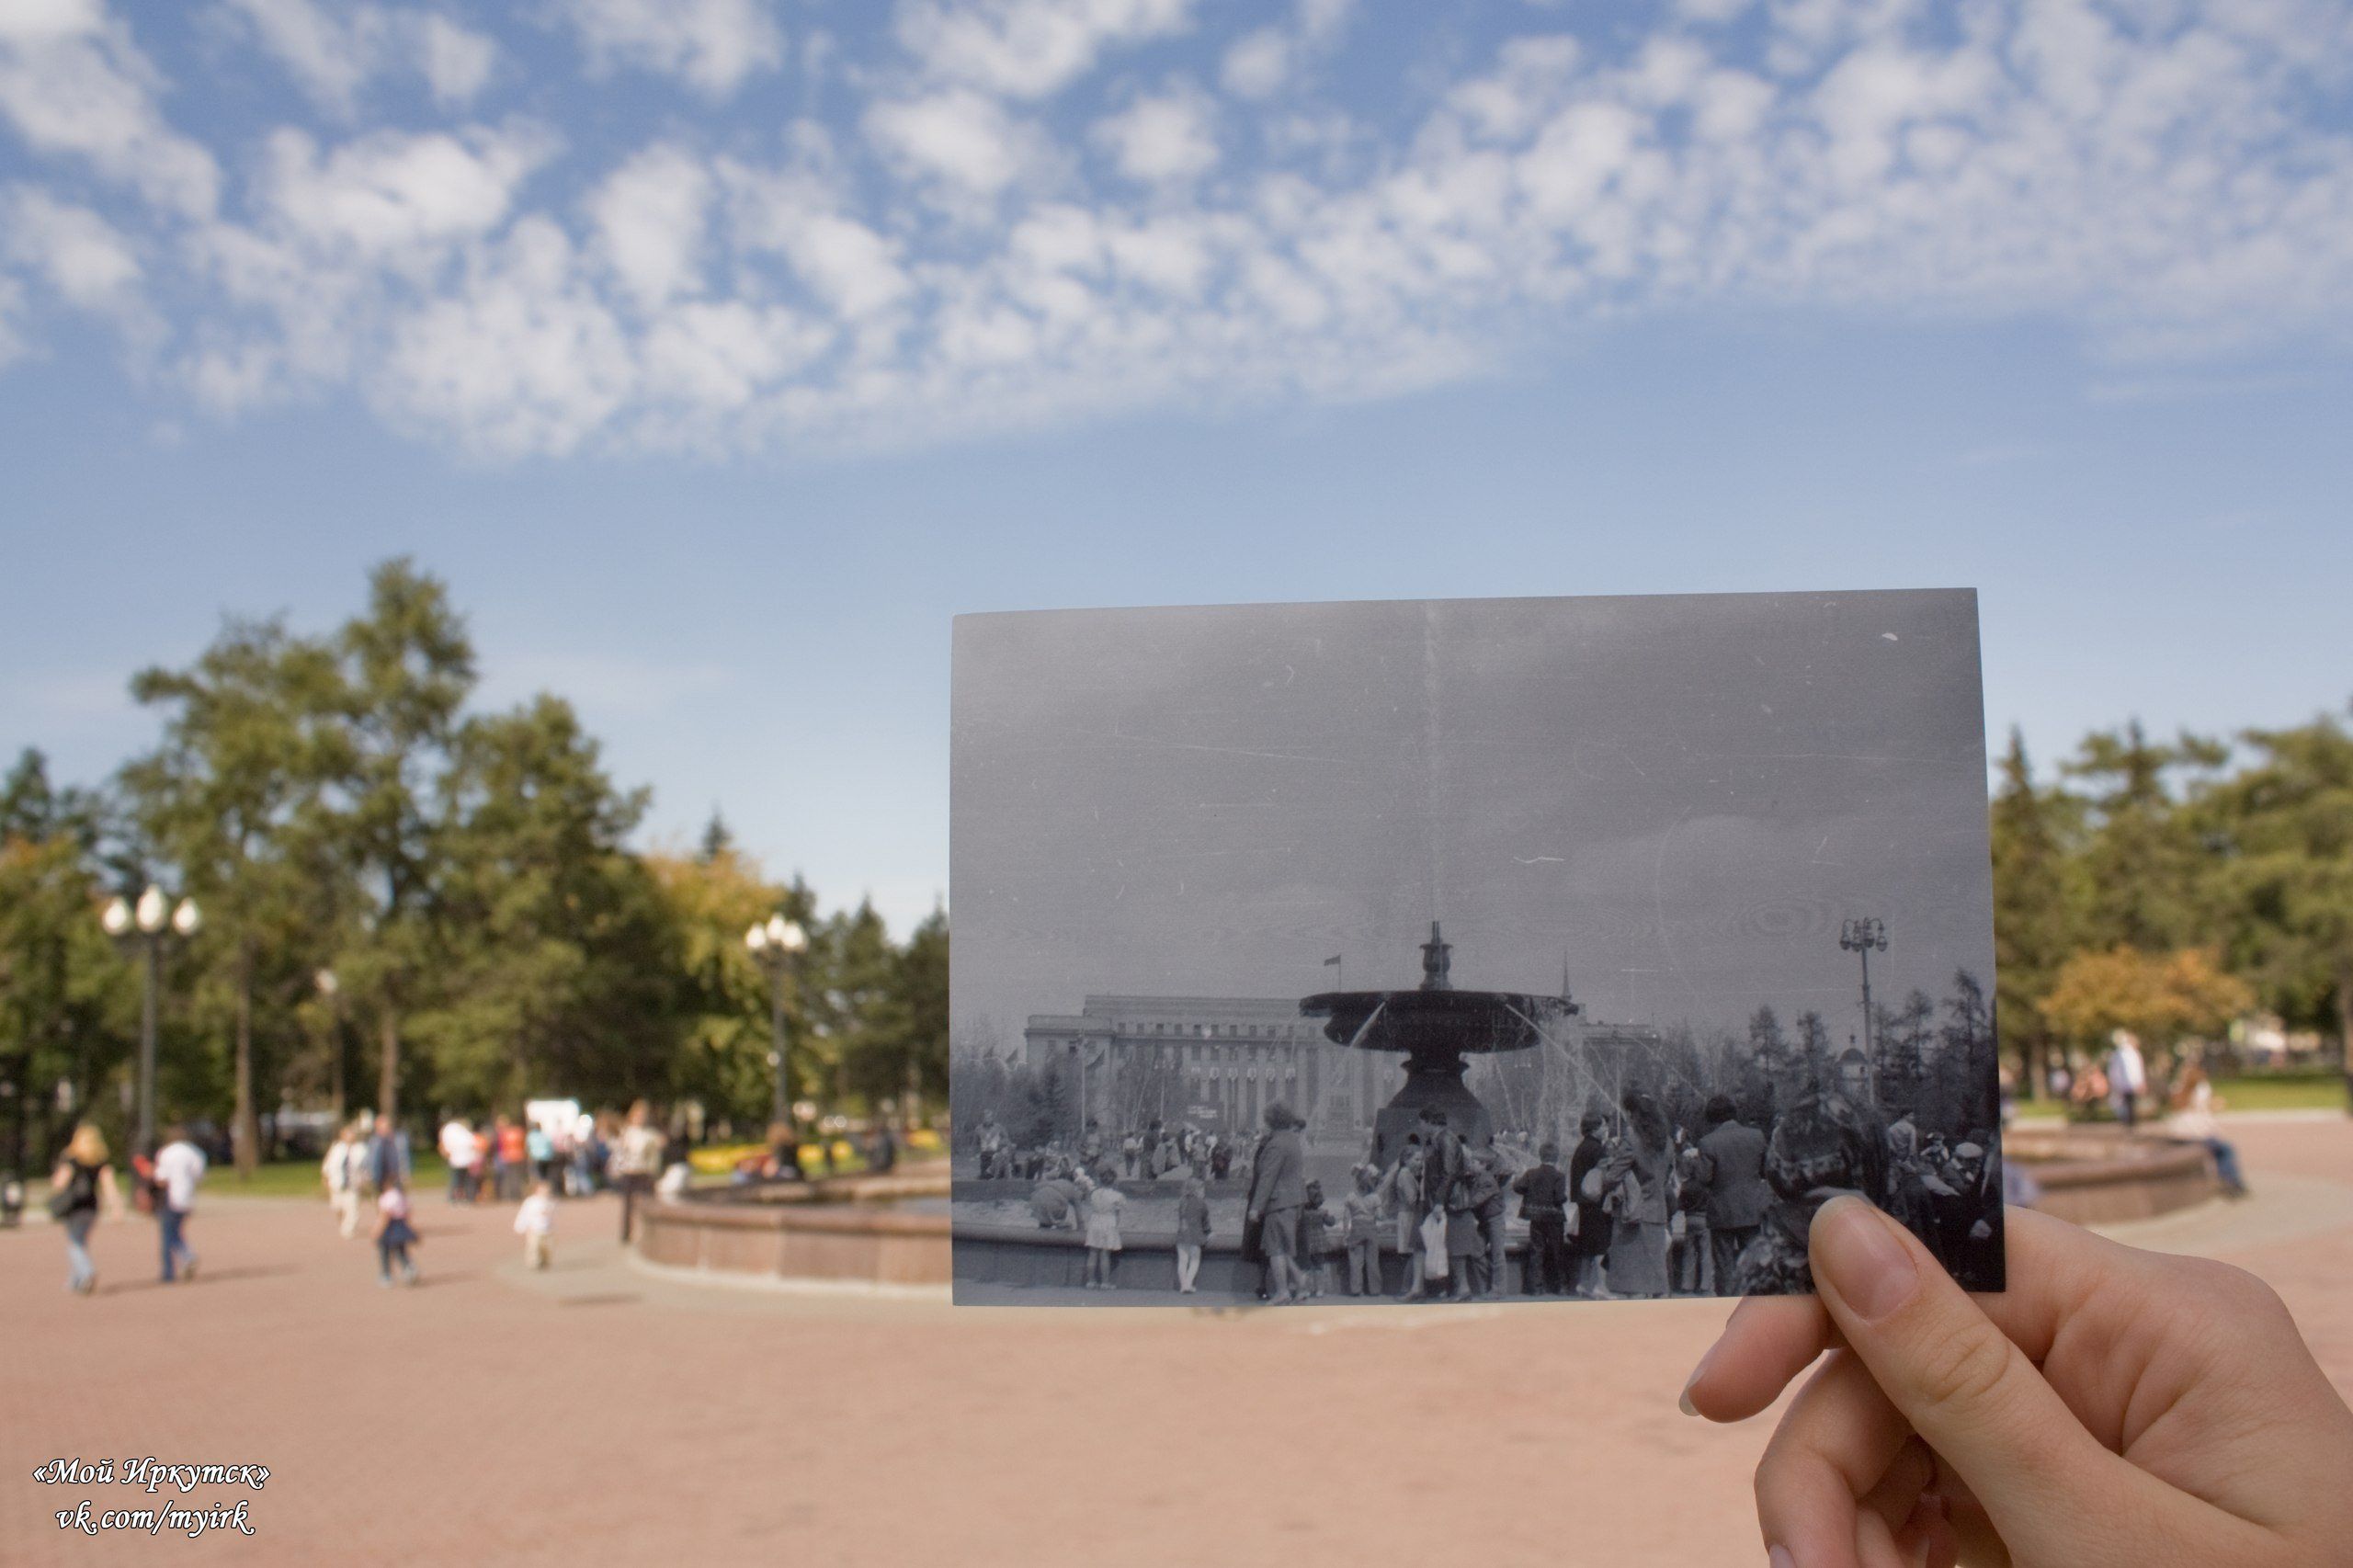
x=1219 y=1061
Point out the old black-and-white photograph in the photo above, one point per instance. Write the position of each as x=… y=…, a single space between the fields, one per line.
x=1456 y=949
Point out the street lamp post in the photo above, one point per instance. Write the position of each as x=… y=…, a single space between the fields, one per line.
x=774 y=943
x=146 y=923
x=1865 y=936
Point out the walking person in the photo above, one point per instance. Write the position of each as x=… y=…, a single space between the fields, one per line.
x=535 y=1223
x=84 y=1176
x=387 y=1155
x=637 y=1161
x=2127 y=1077
x=1738 y=1195
x=344 y=1173
x=179 y=1166
x=394 y=1235
x=1277 y=1192
x=1192 y=1233
x=458 y=1148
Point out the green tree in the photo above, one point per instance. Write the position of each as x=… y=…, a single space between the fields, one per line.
x=2039 y=898
x=231 y=798
x=554 y=954
x=65 y=997
x=2143 y=865
x=724 y=996
x=869 y=1027
x=2284 y=829
x=405 y=666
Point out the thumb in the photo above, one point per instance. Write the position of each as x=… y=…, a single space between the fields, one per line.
x=1964 y=1387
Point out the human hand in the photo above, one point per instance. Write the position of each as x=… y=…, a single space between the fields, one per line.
x=2113 y=1407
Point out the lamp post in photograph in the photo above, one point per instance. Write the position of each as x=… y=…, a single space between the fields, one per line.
x=1865 y=936
x=774 y=944
x=148 y=923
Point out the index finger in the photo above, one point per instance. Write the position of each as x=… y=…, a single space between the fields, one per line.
x=2052 y=1268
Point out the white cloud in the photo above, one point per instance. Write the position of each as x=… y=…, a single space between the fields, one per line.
x=521 y=357
x=1258 y=63
x=714 y=46
x=1029 y=49
x=332 y=52
x=458 y=63
x=1168 y=137
x=649 y=218
x=930 y=264
x=77 y=253
x=72 y=82
x=400 y=198
x=960 y=137
x=12 y=302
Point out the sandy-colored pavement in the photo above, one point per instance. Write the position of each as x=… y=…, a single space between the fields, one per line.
x=601 y=1414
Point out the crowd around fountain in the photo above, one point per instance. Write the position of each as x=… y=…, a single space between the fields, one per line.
x=1635 y=1207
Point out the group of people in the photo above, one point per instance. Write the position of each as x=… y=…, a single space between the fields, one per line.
x=162 y=1182
x=1637 y=1208
x=1153 y=1152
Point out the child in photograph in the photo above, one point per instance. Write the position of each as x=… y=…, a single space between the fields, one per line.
x=1192 y=1233
x=1104 y=1202
x=394 y=1235
x=1364 y=1225
x=535 y=1221
x=1314 y=1240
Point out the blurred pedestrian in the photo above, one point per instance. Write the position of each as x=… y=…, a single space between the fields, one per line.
x=343 y=1172
x=458 y=1148
x=83 y=1181
x=394 y=1235
x=2127 y=1077
x=179 y=1166
x=535 y=1223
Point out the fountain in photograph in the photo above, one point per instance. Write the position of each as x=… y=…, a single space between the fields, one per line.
x=1435 y=1026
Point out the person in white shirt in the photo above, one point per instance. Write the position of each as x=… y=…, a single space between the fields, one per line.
x=179 y=1166
x=2127 y=1077
x=535 y=1221
x=341 y=1171
x=458 y=1148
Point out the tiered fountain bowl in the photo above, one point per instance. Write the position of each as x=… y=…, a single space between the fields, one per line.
x=1434 y=1027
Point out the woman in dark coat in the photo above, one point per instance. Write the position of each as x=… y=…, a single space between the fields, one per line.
x=1590 y=1244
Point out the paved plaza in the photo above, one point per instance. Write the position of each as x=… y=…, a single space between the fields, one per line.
x=602 y=1413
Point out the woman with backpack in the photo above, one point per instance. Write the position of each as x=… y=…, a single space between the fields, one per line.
x=75 y=1187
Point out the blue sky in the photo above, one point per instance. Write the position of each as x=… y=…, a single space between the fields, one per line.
x=718 y=352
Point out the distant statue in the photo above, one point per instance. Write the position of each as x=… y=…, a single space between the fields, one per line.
x=1437 y=956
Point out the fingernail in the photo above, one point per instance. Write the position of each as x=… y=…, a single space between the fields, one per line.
x=1856 y=1252
x=1780 y=1558
x=1683 y=1401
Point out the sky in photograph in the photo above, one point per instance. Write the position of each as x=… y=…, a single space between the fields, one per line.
x=718 y=352
x=1676 y=800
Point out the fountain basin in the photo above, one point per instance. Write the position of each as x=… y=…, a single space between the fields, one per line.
x=2100 y=1177
x=890 y=1231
